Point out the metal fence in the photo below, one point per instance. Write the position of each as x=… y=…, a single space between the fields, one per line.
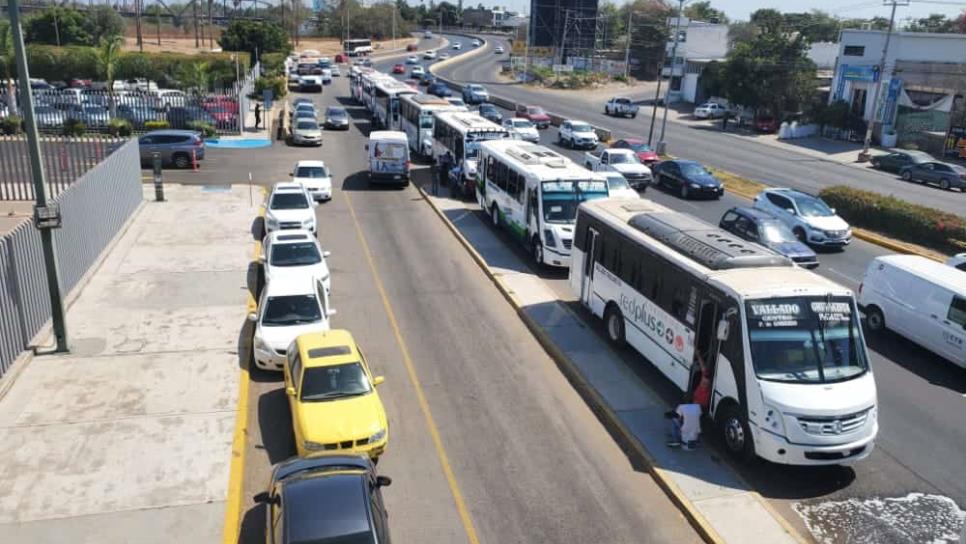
x=65 y=161
x=93 y=208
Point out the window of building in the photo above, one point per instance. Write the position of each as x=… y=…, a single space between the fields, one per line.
x=854 y=51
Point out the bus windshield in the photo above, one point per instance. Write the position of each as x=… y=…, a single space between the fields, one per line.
x=805 y=339
x=561 y=198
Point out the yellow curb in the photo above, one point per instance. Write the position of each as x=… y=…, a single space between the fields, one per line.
x=694 y=517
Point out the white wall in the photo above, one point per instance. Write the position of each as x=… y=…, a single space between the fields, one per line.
x=823 y=54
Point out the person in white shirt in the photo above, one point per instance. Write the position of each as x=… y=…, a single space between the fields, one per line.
x=685 y=426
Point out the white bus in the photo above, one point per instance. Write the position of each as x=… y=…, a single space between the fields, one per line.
x=460 y=133
x=357 y=47
x=782 y=346
x=360 y=83
x=417 y=119
x=534 y=192
x=388 y=91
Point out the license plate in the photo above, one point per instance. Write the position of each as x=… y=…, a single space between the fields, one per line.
x=396 y=177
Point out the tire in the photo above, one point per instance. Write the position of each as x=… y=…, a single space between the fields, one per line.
x=633 y=116
x=800 y=234
x=495 y=216
x=735 y=434
x=874 y=319
x=537 y=252
x=906 y=176
x=683 y=191
x=614 y=324
x=181 y=160
x=944 y=184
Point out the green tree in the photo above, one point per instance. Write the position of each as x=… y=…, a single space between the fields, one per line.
x=876 y=23
x=56 y=25
x=936 y=22
x=196 y=76
x=961 y=22
x=768 y=20
x=814 y=26
x=103 y=22
x=611 y=23
x=108 y=54
x=649 y=34
x=703 y=11
x=254 y=37
x=741 y=32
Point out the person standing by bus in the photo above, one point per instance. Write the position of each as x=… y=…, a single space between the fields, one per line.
x=685 y=426
x=445 y=165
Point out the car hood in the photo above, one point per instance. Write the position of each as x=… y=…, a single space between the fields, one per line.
x=704 y=180
x=647 y=156
x=631 y=168
x=586 y=134
x=538 y=117
x=290 y=215
x=314 y=182
x=296 y=273
x=279 y=338
x=337 y=119
x=309 y=132
x=791 y=249
x=831 y=222
x=828 y=399
x=337 y=420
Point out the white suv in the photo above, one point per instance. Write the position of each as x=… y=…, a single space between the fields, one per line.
x=286 y=310
x=522 y=128
x=293 y=255
x=577 y=134
x=315 y=177
x=809 y=217
x=289 y=207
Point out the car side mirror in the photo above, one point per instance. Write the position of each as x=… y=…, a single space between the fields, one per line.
x=253 y=317
x=291 y=174
x=326 y=254
x=378 y=380
x=290 y=391
x=832 y=210
x=264 y=498
x=791 y=211
x=331 y=312
x=383 y=481
x=724 y=330
x=367 y=147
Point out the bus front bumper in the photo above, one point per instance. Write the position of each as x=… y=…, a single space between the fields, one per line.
x=553 y=256
x=778 y=449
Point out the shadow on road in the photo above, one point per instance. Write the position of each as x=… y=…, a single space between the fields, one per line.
x=275 y=425
x=917 y=360
x=253 y=525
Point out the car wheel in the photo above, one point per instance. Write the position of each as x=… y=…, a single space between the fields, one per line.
x=537 y=252
x=181 y=161
x=907 y=176
x=683 y=191
x=800 y=234
x=614 y=322
x=734 y=431
x=874 y=319
x=495 y=216
x=633 y=116
x=944 y=184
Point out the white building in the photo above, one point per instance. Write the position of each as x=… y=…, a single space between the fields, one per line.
x=922 y=84
x=699 y=43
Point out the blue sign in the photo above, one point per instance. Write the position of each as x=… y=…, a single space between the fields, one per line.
x=267 y=97
x=859 y=73
x=889 y=110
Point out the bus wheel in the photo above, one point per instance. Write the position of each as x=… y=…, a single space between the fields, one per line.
x=495 y=215
x=614 y=321
x=735 y=433
x=537 y=251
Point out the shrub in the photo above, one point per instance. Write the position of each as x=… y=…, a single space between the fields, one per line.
x=895 y=217
x=278 y=85
x=119 y=127
x=273 y=64
x=206 y=129
x=156 y=125
x=11 y=125
x=74 y=127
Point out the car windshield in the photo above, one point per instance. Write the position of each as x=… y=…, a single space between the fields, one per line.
x=320 y=384
x=289 y=201
x=623 y=158
x=308 y=125
x=561 y=198
x=581 y=127
x=533 y=110
x=805 y=339
x=775 y=232
x=812 y=207
x=617 y=182
x=693 y=169
x=522 y=123
x=336 y=112
x=313 y=172
x=291 y=310
x=638 y=147
x=487 y=108
x=300 y=254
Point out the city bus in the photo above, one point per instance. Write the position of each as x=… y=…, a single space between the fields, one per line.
x=357 y=47
x=534 y=192
x=365 y=90
x=387 y=91
x=782 y=347
x=417 y=119
x=460 y=133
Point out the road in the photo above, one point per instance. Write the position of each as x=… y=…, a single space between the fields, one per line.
x=740 y=155
x=477 y=409
x=922 y=397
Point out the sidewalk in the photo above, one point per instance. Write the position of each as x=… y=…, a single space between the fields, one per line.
x=128 y=437
x=711 y=494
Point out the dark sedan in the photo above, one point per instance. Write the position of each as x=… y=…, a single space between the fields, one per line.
x=767 y=230
x=688 y=178
x=336 y=118
x=326 y=498
x=896 y=161
x=491 y=113
x=944 y=174
x=439 y=89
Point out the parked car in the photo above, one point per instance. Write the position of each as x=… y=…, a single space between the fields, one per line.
x=577 y=134
x=491 y=113
x=710 y=110
x=643 y=151
x=91 y=116
x=399 y=69
x=306 y=132
x=897 y=160
x=332 y=396
x=138 y=115
x=289 y=207
x=622 y=106
x=766 y=124
x=172 y=97
x=176 y=147
x=522 y=128
x=535 y=114
x=290 y=255
x=617 y=186
x=765 y=229
x=286 y=310
x=416 y=71
x=49 y=117
x=429 y=55
x=689 y=178
x=181 y=117
x=920 y=299
x=337 y=118
x=622 y=161
x=412 y=59
x=315 y=177
x=957 y=261
x=946 y=175
x=439 y=89
x=810 y=218
x=475 y=93
x=306 y=496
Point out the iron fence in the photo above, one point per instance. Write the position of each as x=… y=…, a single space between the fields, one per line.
x=94 y=208
x=66 y=160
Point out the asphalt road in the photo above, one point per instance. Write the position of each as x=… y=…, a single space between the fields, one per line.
x=922 y=397
x=741 y=155
x=468 y=390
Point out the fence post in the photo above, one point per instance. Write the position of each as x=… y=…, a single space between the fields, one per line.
x=158 y=181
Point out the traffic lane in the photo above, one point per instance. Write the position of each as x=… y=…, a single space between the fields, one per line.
x=706 y=143
x=531 y=459
x=385 y=66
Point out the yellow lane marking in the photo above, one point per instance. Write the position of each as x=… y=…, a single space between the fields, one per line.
x=414 y=379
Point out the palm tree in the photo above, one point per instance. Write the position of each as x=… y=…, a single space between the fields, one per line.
x=196 y=77
x=108 y=53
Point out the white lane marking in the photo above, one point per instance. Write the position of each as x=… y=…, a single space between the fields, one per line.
x=843 y=275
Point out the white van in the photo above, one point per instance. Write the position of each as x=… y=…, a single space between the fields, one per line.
x=919 y=298
x=388 y=157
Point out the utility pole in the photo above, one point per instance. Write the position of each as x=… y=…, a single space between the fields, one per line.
x=627 y=49
x=194 y=5
x=864 y=154
x=394 y=26
x=657 y=94
x=41 y=207
x=563 y=39
x=137 y=23
x=157 y=22
x=526 y=50
x=661 y=144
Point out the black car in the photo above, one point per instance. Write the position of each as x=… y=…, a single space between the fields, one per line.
x=336 y=118
x=439 y=89
x=326 y=498
x=427 y=79
x=688 y=178
x=491 y=113
x=895 y=162
x=767 y=230
x=181 y=116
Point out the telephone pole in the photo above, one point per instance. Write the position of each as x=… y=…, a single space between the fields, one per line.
x=864 y=154
x=661 y=144
x=627 y=49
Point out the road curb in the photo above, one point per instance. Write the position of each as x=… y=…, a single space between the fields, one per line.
x=586 y=391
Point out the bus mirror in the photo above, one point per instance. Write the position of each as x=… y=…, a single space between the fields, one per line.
x=724 y=330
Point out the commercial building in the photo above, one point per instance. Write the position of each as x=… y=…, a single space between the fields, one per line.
x=922 y=84
x=568 y=26
x=699 y=44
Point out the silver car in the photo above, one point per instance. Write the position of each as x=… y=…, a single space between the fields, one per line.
x=306 y=132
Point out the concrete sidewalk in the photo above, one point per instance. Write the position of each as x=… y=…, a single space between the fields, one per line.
x=710 y=493
x=127 y=438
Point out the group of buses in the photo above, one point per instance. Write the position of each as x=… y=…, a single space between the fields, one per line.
x=782 y=347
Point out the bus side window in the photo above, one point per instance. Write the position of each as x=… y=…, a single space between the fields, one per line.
x=629 y=265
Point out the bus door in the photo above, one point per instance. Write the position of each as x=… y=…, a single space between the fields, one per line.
x=394 y=108
x=591 y=243
x=706 y=344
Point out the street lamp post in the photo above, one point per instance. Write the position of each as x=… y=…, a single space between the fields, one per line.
x=661 y=144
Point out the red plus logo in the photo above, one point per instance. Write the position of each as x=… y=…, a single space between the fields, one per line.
x=679 y=343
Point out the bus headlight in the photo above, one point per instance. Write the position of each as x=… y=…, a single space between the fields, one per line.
x=773 y=420
x=548 y=238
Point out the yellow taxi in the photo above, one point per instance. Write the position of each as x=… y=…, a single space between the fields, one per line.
x=332 y=395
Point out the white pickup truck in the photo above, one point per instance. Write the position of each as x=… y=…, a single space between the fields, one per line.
x=621 y=105
x=624 y=161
